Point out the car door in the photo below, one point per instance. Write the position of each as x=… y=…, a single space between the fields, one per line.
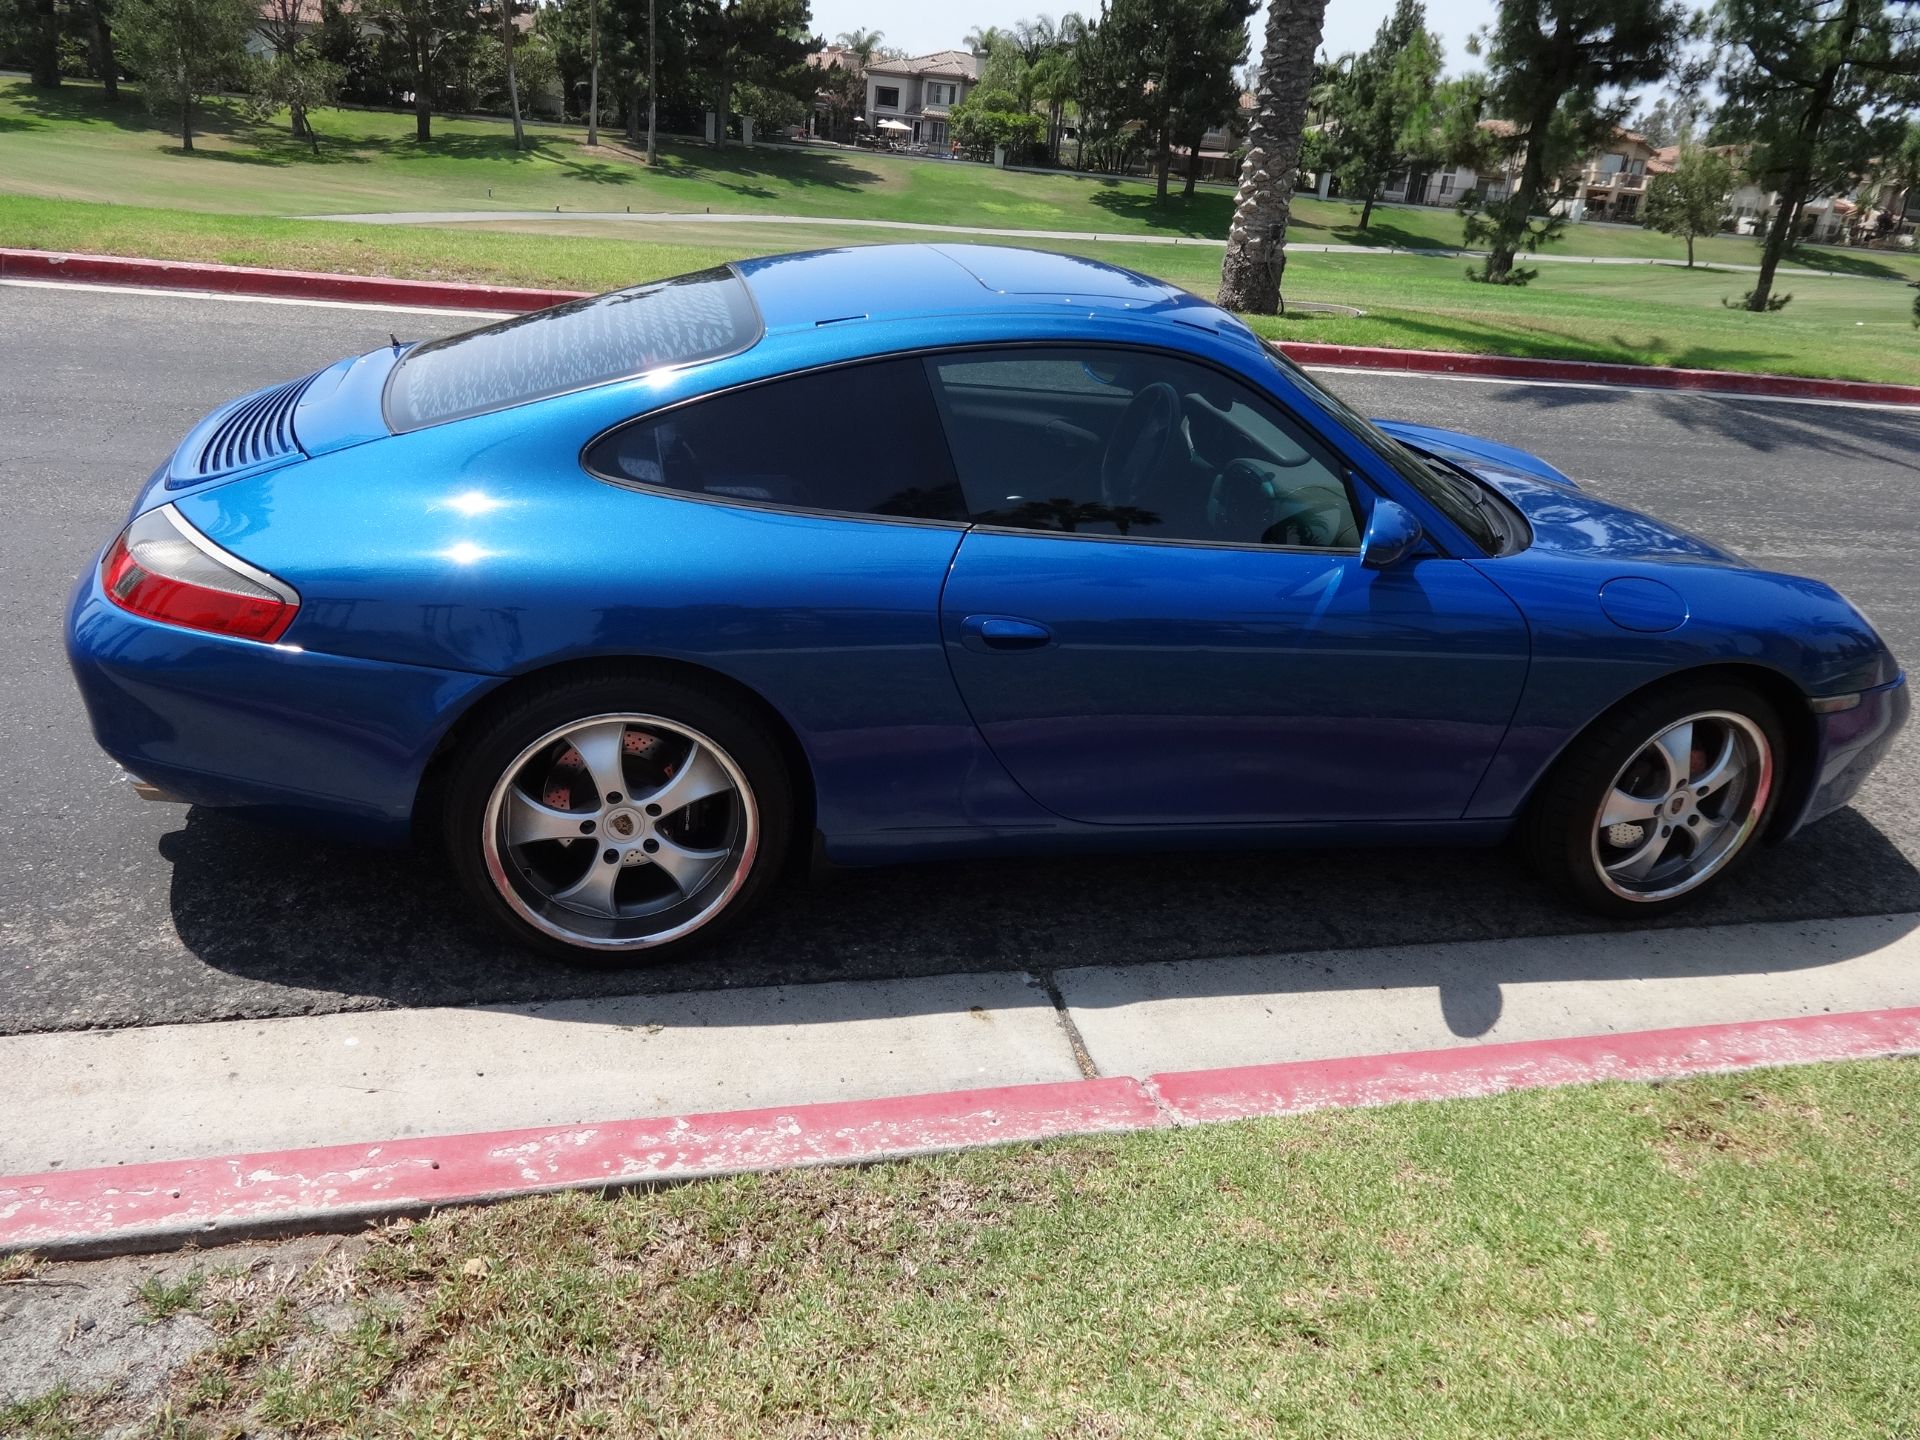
x=1162 y=638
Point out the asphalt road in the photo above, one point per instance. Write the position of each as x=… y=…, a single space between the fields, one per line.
x=113 y=912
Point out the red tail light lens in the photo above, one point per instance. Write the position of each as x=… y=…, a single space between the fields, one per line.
x=163 y=568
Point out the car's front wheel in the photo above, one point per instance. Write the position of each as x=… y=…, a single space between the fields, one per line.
x=617 y=818
x=1660 y=800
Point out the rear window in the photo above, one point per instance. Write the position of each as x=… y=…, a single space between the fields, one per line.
x=589 y=342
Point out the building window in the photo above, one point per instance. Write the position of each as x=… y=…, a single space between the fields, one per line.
x=886 y=97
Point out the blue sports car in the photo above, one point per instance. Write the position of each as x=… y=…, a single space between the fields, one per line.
x=904 y=552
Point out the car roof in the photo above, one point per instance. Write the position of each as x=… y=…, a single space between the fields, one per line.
x=903 y=282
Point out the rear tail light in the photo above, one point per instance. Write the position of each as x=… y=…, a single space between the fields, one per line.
x=163 y=568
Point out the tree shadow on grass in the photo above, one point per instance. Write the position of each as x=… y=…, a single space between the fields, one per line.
x=1386 y=235
x=1207 y=214
x=1848 y=262
x=82 y=106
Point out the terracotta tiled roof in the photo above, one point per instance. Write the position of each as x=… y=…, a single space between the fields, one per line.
x=306 y=12
x=941 y=64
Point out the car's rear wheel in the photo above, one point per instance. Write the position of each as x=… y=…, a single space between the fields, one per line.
x=619 y=818
x=1661 y=800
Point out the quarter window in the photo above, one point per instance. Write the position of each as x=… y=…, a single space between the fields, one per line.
x=862 y=439
x=1134 y=443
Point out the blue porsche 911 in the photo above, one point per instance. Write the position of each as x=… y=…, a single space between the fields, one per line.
x=905 y=552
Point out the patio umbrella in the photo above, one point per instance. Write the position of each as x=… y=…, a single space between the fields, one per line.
x=899 y=125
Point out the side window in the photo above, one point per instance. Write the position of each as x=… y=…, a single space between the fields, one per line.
x=863 y=439
x=1126 y=442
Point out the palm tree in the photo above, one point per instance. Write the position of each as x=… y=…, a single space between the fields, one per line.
x=862 y=43
x=1256 y=245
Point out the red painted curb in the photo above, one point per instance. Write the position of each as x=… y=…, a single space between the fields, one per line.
x=283 y=284
x=167 y=1203
x=1202 y=1097
x=448 y=295
x=1593 y=372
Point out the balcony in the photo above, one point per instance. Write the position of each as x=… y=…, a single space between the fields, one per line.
x=1619 y=182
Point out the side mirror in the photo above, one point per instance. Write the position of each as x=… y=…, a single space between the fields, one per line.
x=1391 y=534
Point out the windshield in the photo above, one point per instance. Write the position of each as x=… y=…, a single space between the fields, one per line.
x=681 y=321
x=1462 y=508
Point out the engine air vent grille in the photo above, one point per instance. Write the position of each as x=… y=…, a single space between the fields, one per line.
x=258 y=429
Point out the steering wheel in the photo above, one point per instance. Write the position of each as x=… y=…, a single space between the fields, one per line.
x=1312 y=515
x=1139 y=444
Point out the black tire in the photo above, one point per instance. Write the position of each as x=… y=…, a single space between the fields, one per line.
x=1561 y=823
x=503 y=737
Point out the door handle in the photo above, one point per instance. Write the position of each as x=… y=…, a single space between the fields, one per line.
x=1003 y=632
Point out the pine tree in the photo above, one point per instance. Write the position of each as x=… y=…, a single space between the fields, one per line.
x=1381 y=116
x=1820 y=89
x=185 y=50
x=1551 y=64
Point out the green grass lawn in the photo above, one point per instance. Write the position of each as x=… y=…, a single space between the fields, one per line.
x=1734 y=1256
x=70 y=144
x=1839 y=328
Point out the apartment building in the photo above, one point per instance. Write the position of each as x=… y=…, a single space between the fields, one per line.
x=920 y=93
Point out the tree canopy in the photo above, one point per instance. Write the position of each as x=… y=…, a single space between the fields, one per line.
x=1556 y=73
x=1820 y=90
x=1380 y=106
x=1691 y=200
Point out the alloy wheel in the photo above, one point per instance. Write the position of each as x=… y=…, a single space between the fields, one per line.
x=1682 y=806
x=620 y=832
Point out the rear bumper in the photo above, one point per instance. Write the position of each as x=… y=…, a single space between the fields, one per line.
x=1852 y=742
x=320 y=740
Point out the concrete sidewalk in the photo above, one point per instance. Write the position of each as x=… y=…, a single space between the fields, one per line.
x=103 y=1098
x=668 y=217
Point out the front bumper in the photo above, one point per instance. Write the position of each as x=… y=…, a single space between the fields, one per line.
x=321 y=740
x=1851 y=743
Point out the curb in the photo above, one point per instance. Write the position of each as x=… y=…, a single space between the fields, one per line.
x=1596 y=372
x=18 y=264
x=161 y=1205
x=272 y=284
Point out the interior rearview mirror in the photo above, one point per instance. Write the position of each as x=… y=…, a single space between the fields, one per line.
x=1391 y=534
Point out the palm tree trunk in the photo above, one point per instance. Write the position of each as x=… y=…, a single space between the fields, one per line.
x=1249 y=276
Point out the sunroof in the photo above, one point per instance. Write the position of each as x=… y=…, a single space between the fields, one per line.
x=1044 y=272
x=681 y=321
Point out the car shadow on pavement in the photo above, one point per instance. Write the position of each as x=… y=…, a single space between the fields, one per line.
x=300 y=921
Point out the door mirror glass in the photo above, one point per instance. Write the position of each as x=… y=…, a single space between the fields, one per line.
x=1391 y=535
